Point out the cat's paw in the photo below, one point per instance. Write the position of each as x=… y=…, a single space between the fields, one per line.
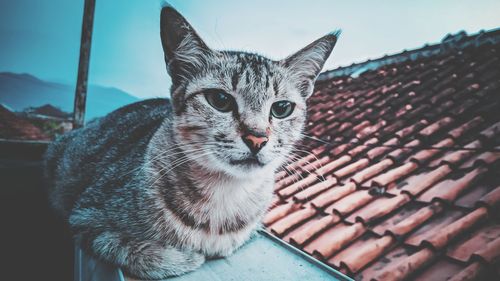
x=173 y=262
x=178 y=262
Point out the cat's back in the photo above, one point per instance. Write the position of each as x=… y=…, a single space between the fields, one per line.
x=114 y=143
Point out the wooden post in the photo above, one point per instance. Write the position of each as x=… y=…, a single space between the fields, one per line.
x=83 y=65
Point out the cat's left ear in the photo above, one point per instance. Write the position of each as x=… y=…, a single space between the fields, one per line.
x=185 y=52
x=306 y=64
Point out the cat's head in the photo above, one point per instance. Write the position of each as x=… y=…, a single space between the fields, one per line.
x=237 y=112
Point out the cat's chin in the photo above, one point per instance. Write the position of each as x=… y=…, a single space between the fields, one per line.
x=243 y=168
x=249 y=162
x=249 y=167
x=245 y=171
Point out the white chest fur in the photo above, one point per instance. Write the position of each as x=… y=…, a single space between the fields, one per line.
x=227 y=201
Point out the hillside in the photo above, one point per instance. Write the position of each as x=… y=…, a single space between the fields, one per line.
x=19 y=91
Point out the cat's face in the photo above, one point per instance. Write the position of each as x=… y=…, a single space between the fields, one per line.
x=236 y=112
x=239 y=95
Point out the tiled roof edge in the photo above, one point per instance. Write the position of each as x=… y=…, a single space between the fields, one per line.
x=455 y=42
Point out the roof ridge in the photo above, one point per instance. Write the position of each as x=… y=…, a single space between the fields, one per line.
x=450 y=42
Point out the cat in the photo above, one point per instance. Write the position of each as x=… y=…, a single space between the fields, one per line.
x=158 y=186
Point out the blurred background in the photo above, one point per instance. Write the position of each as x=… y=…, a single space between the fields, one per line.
x=40 y=42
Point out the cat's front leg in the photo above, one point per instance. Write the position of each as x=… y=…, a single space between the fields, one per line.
x=158 y=263
x=145 y=260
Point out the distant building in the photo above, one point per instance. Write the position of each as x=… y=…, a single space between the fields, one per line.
x=18 y=128
x=47 y=111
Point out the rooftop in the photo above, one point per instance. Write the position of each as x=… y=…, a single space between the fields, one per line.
x=398 y=175
x=15 y=127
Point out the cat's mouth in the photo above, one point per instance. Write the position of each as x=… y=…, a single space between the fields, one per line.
x=249 y=161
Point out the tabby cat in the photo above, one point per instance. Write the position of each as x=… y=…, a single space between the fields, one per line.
x=158 y=186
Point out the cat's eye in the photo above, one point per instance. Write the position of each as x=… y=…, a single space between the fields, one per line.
x=221 y=101
x=282 y=109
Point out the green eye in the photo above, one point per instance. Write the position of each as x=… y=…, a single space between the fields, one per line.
x=282 y=109
x=221 y=101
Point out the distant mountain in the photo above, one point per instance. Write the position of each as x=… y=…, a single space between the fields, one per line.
x=20 y=91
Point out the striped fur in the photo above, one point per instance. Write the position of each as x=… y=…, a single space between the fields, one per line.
x=153 y=187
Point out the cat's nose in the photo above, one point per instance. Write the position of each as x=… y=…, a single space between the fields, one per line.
x=255 y=142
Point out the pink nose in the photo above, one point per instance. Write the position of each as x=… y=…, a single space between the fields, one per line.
x=255 y=143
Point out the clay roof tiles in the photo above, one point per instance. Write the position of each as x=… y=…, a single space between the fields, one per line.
x=400 y=179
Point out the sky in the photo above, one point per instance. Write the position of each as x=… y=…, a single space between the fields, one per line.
x=42 y=37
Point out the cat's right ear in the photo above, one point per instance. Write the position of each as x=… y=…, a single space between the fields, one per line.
x=306 y=64
x=183 y=48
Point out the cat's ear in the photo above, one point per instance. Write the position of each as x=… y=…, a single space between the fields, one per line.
x=306 y=64
x=184 y=50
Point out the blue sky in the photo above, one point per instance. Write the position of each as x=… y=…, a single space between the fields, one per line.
x=42 y=37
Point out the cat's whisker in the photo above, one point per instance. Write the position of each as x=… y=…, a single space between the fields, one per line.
x=158 y=157
x=178 y=163
x=293 y=158
x=320 y=165
x=163 y=153
x=320 y=176
x=298 y=173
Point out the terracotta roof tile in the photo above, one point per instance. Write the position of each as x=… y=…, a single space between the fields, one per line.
x=449 y=190
x=333 y=165
x=475 y=271
x=418 y=183
x=425 y=154
x=298 y=185
x=405 y=132
x=441 y=238
x=368 y=131
x=351 y=168
x=286 y=223
x=307 y=231
x=405 y=267
x=378 y=208
x=442 y=269
x=490 y=253
x=333 y=239
x=279 y=212
x=399 y=154
x=470 y=198
x=434 y=127
x=337 y=150
x=362 y=252
x=371 y=171
x=402 y=182
x=350 y=203
x=492 y=131
x=395 y=174
x=362 y=148
x=492 y=199
x=333 y=194
x=315 y=189
x=407 y=219
x=431 y=227
x=379 y=266
x=377 y=151
x=457 y=156
x=479 y=240
x=459 y=131
x=487 y=157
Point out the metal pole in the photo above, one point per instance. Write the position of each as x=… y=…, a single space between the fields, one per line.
x=83 y=65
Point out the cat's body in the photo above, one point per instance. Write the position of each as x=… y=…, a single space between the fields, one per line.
x=117 y=201
x=156 y=188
